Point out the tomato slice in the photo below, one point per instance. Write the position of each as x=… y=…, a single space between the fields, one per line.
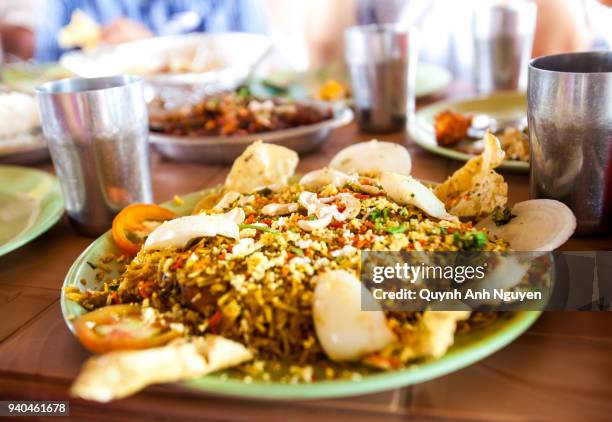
x=120 y=327
x=134 y=223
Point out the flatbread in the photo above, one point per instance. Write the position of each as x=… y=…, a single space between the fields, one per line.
x=475 y=190
x=121 y=373
x=261 y=166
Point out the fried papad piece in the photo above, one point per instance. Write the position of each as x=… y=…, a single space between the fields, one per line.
x=209 y=200
x=261 y=165
x=123 y=372
x=434 y=334
x=475 y=190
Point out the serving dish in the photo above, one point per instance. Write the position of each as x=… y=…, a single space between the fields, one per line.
x=30 y=204
x=223 y=149
x=26 y=76
x=21 y=138
x=253 y=288
x=430 y=80
x=468 y=348
x=222 y=59
x=502 y=106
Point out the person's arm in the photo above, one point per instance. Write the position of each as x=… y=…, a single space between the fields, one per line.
x=124 y=30
x=248 y=16
x=17 y=41
x=325 y=25
x=560 y=28
x=52 y=16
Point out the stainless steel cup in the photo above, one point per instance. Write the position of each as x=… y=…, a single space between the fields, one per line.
x=503 y=39
x=570 y=130
x=96 y=130
x=382 y=63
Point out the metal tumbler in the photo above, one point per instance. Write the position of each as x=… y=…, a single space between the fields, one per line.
x=97 y=131
x=503 y=39
x=570 y=131
x=382 y=63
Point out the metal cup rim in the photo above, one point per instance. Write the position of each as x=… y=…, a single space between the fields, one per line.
x=533 y=63
x=97 y=84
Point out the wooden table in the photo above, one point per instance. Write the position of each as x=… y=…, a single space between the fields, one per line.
x=560 y=369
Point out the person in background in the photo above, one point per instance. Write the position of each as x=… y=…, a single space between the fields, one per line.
x=445 y=27
x=129 y=20
x=17 y=29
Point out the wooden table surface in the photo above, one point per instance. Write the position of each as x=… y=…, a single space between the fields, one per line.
x=561 y=369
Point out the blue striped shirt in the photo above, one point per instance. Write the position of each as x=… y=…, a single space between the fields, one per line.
x=160 y=16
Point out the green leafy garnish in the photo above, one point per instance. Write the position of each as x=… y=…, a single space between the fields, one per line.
x=397 y=229
x=472 y=240
x=243 y=92
x=381 y=216
x=502 y=216
x=296 y=251
x=264 y=191
x=258 y=227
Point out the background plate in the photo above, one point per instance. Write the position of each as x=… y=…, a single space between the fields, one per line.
x=466 y=350
x=225 y=149
x=227 y=58
x=502 y=106
x=30 y=203
x=430 y=79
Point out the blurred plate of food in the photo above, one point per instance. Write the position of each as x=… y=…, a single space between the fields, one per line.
x=454 y=128
x=217 y=128
x=21 y=140
x=30 y=203
x=223 y=59
x=332 y=83
x=252 y=288
x=26 y=76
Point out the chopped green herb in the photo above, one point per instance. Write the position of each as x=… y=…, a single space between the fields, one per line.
x=264 y=191
x=472 y=240
x=378 y=226
x=386 y=214
x=374 y=215
x=296 y=251
x=502 y=216
x=244 y=92
x=397 y=229
x=258 y=227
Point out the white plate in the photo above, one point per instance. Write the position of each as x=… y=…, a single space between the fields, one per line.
x=225 y=149
x=226 y=58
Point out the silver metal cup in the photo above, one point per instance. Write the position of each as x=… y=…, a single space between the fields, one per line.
x=570 y=130
x=503 y=39
x=382 y=62
x=97 y=130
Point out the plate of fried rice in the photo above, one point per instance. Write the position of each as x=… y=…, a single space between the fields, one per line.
x=252 y=288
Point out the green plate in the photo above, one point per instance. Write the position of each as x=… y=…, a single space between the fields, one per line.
x=502 y=106
x=430 y=79
x=26 y=76
x=30 y=203
x=466 y=350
